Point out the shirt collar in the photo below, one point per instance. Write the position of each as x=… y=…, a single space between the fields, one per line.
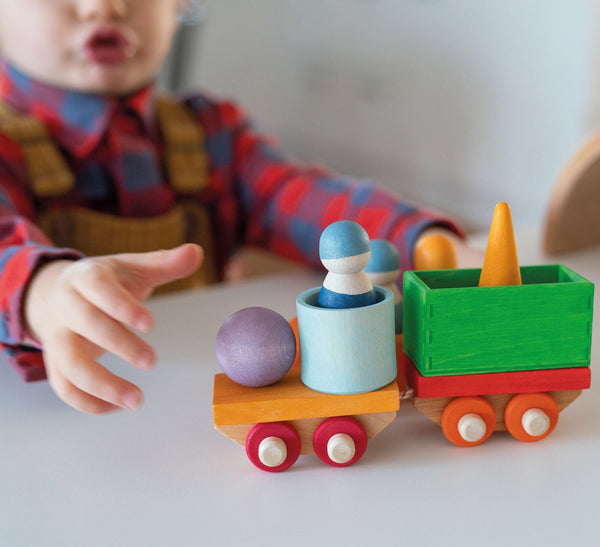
x=77 y=120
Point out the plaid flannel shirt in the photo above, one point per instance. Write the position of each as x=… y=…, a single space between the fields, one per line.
x=256 y=194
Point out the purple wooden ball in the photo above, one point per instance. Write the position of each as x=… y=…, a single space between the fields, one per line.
x=256 y=347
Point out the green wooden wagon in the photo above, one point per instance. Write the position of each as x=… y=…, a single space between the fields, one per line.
x=492 y=358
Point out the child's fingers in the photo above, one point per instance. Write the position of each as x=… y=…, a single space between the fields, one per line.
x=160 y=267
x=87 y=375
x=109 y=334
x=78 y=399
x=109 y=296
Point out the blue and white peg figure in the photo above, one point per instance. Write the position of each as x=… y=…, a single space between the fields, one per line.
x=344 y=249
x=383 y=269
x=346 y=327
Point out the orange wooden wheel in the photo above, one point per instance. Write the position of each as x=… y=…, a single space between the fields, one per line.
x=468 y=421
x=531 y=416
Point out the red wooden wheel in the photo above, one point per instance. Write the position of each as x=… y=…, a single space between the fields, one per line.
x=340 y=441
x=531 y=416
x=273 y=447
x=468 y=421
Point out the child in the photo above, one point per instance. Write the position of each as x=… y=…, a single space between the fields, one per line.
x=88 y=154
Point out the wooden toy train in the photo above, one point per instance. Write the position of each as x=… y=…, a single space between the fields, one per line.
x=482 y=350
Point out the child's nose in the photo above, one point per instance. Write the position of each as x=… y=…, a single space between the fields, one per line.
x=102 y=9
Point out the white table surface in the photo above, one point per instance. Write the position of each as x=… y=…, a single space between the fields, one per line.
x=162 y=476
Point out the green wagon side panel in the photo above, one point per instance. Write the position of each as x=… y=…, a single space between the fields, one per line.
x=452 y=326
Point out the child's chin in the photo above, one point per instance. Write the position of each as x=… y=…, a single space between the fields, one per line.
x=111 y=80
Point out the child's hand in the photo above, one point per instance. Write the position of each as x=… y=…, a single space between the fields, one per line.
x=79 y=310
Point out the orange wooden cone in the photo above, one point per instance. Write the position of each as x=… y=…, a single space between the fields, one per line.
x=501 y=265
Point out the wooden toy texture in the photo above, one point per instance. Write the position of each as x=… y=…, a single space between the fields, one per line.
x=541 y=405
x=338 y=300
x=344 y=250
x=384 y=269
x=501 y=264
x=434 y=407
x=401 y=375
x=256 y=347
x=294 y=325
x=373 y=424
x=349 y=427
x=289 y=399
x=479 y=414
x=573 y=219
x=452 y=326
x=529 y=381
x=286 y=442
x=346 y=351
x=435 y=252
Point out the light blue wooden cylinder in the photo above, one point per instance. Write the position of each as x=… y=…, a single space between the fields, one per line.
x=345 y=351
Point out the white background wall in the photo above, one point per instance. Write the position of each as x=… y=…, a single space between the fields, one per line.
x=456 y=103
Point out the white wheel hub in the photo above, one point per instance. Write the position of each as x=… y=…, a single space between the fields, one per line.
x=340 y=448
x=472 y=428
x=272 y=451
x=535 y=422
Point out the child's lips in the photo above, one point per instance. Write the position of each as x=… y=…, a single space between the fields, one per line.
x=108 y=46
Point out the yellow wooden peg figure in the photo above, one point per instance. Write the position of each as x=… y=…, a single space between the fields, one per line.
x=435 y=252
x=501 y=265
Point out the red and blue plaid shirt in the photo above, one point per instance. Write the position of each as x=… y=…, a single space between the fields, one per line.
x=256 y=194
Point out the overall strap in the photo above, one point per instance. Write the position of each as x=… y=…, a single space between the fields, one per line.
x=93 y=232
x=48 y=173
x=186 y=160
